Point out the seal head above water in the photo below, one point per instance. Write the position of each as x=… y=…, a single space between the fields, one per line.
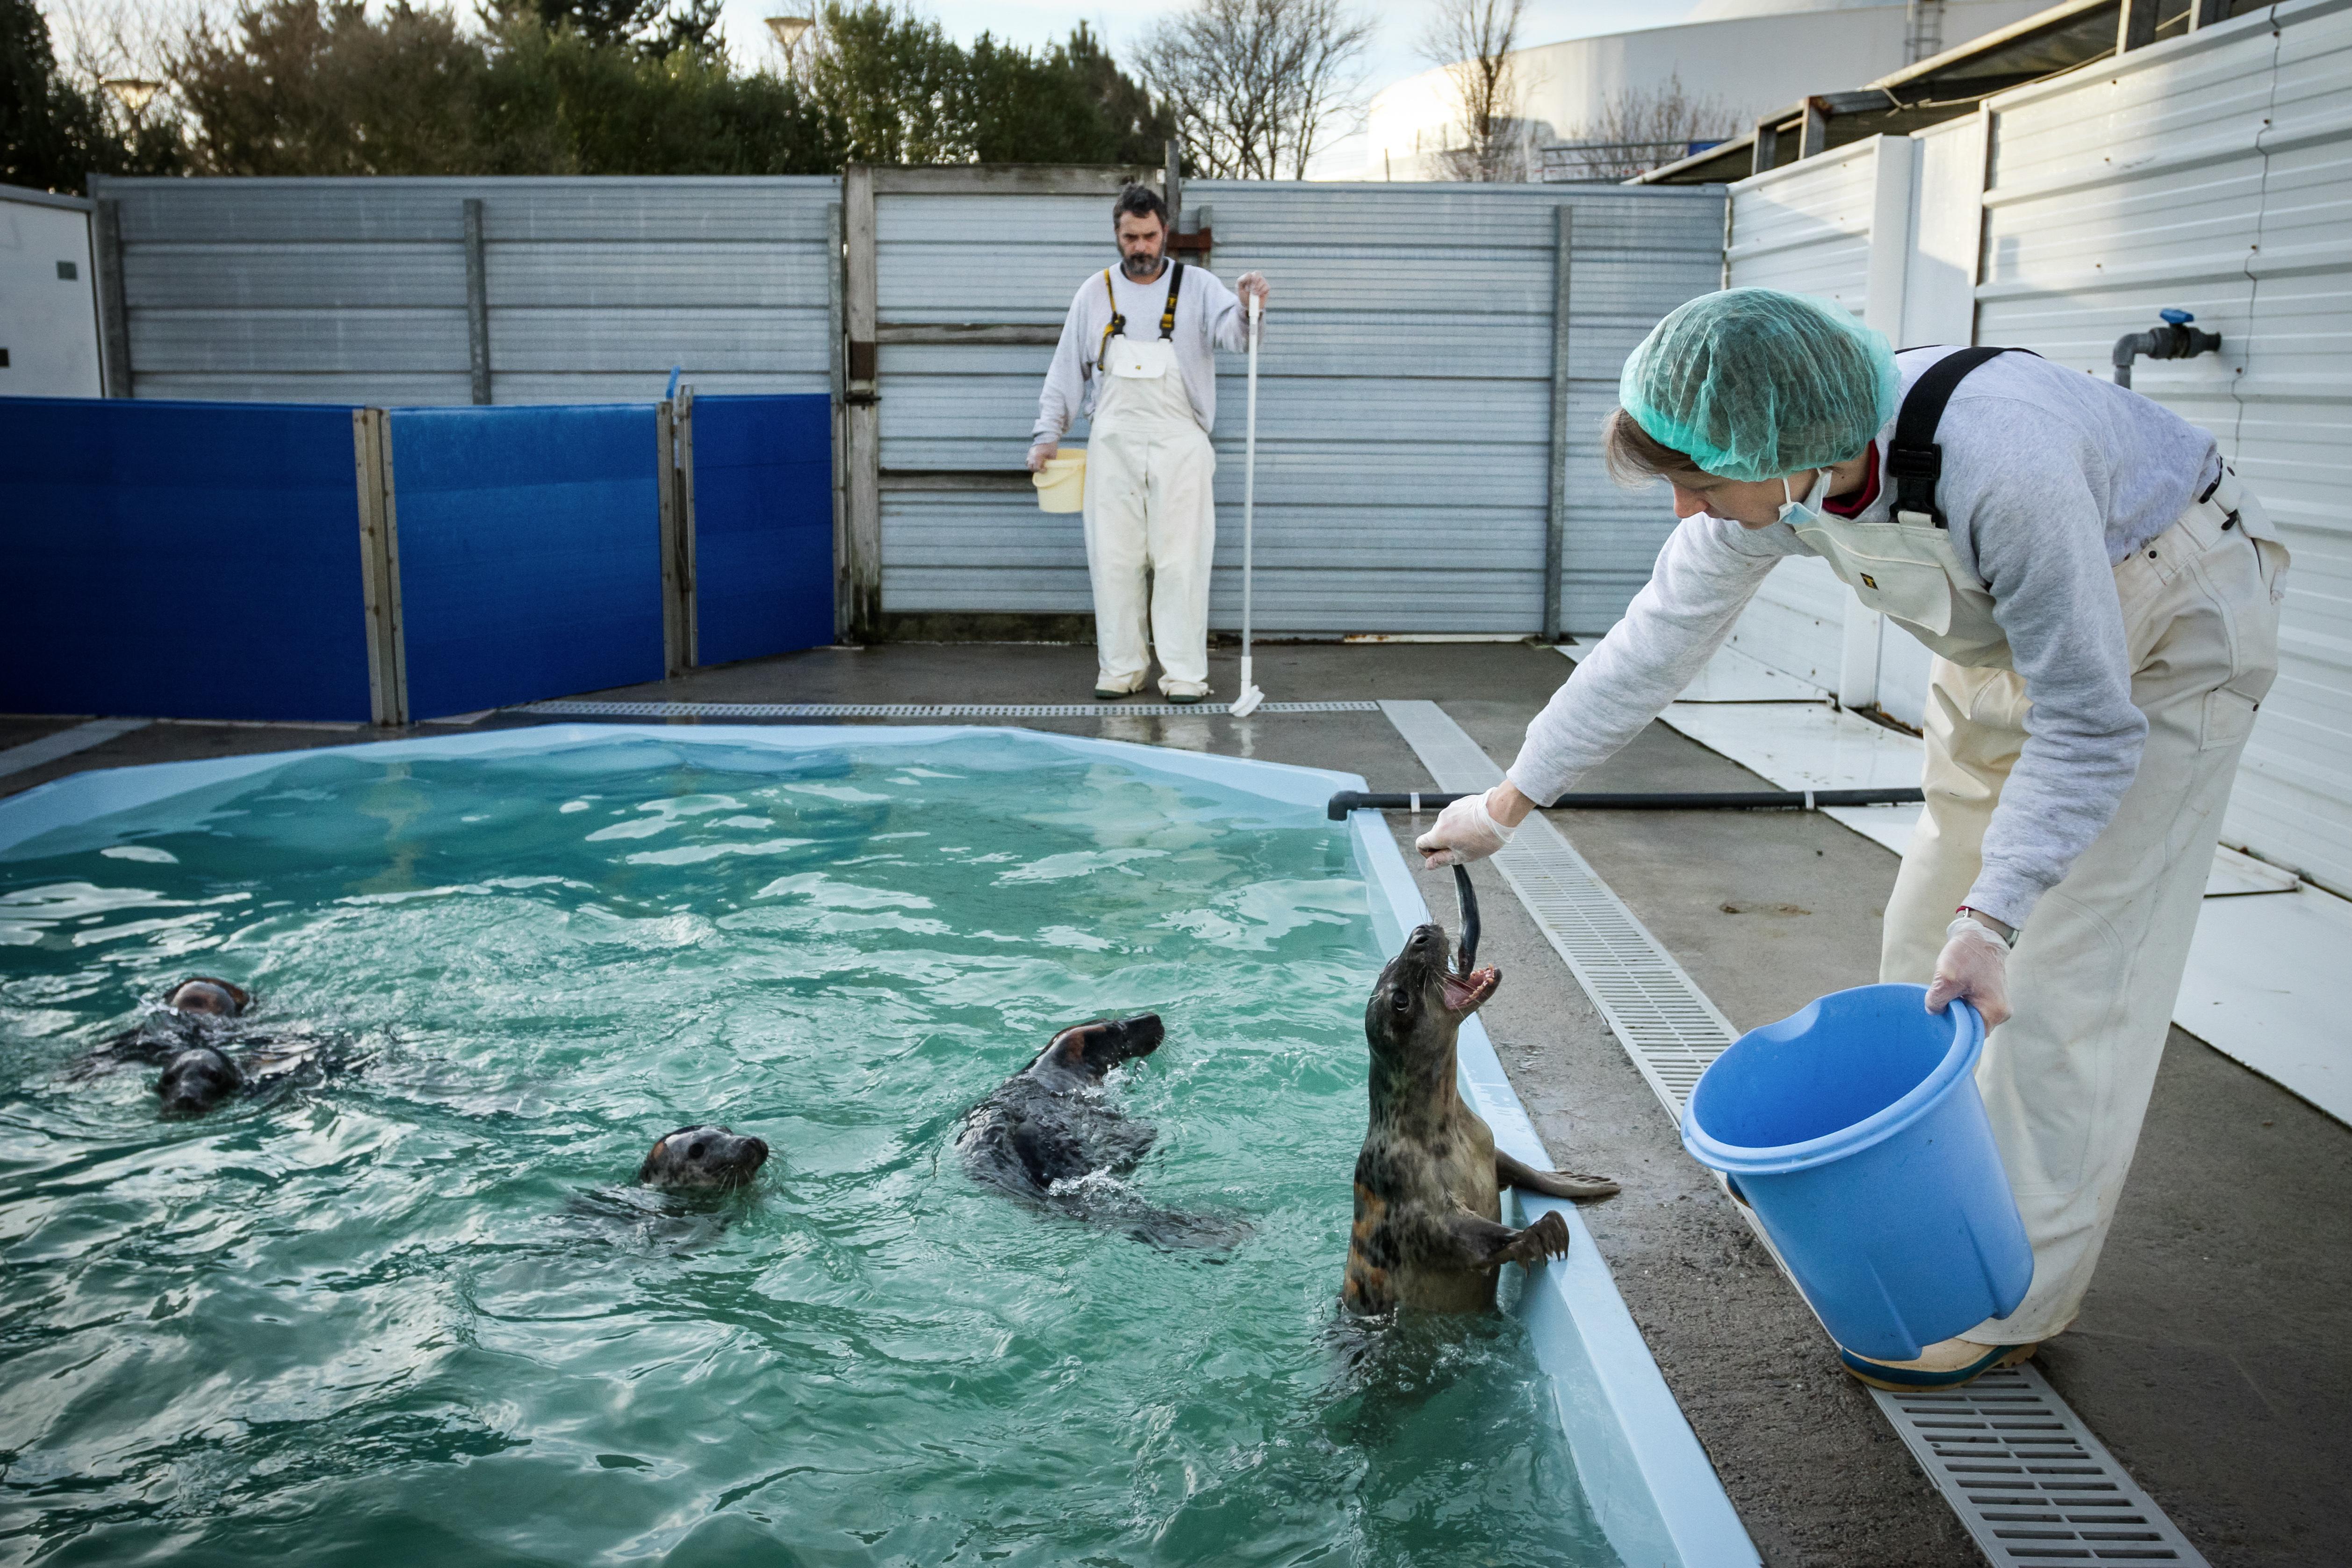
x=209 y=997
x=196 y=1080
x=702 y=1159
x=1428 y=1229
x=1049 y=1137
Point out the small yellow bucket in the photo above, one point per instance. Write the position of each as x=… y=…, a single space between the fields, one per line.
x=1062 y=483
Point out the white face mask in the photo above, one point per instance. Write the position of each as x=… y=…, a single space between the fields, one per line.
x=1801 y=513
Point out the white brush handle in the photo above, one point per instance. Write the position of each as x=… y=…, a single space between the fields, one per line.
x=1249 y=489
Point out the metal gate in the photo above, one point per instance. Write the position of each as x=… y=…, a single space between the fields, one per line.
x=1429 y=414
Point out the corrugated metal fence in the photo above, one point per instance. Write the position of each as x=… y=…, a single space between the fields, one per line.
x=1405 y=443
x=1406 y=449
x=2213 y=173
x=462 y=291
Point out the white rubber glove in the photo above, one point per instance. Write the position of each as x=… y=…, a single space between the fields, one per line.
x=1974 y=965
x=1041 y=454
x=1466 y=831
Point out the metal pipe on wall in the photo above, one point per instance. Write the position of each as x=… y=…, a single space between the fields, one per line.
x=113 y=316
x=862 y=562
x=835 y=385
x=1556 y=521
x=478 y=304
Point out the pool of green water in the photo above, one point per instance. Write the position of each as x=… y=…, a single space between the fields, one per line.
x=412 y=1314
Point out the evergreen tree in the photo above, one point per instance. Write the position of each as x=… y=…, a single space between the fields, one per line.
x=316 y=87
x=1141 y=128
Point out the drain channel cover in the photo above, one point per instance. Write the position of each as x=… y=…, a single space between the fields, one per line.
x=922 y=710
x=2028 y=1478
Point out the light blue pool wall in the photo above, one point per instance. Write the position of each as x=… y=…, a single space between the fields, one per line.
x=1648 y=1481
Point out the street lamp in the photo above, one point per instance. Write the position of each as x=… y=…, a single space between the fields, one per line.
x=789 y=31
x=133 y=93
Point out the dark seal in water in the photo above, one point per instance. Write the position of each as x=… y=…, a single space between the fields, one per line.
x=1048 y=1137
x=702 y=1158
x=1429 y=1231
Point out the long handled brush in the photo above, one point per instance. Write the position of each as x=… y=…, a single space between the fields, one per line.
x=1247 y=703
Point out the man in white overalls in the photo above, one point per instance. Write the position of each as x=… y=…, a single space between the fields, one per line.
x=2101 y=594
x=1137 y=354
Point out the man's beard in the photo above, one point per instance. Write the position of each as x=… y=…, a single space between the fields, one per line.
x=1139 y=269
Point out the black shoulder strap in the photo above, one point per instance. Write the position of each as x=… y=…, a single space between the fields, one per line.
x=1168 y=316
x=1915 y=460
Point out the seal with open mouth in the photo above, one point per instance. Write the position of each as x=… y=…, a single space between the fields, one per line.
x=1429 y=1231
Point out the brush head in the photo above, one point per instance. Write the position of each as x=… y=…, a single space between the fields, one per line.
x=1247 y=703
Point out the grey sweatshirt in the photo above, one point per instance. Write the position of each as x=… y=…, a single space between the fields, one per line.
x=1209 y=317
x=2051 y=478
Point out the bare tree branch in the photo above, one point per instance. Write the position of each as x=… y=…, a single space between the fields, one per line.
x=1256 y=85
x=1642 y=129
x=1476 y=42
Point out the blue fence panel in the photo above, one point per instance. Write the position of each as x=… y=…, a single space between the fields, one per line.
x=529 y=552
x=763 y=525
x=180 y=560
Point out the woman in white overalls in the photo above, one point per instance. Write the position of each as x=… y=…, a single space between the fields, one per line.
x=2100 y=592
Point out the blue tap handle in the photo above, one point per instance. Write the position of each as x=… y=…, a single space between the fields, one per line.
x=2176 y=317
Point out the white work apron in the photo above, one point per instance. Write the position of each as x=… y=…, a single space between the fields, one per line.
x=2067 y=1081
x=1151 y=522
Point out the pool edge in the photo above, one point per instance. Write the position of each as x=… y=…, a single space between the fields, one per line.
x=1648 y=1479
x=1651 y=1485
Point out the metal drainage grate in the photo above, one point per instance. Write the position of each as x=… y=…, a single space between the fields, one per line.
x=1660 y=1016
x=921 y=709
x=2028 y=1478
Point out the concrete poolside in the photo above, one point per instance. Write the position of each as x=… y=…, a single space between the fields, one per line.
x=2210 y=1356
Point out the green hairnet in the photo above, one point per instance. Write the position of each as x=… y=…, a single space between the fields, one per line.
x=1753 y=384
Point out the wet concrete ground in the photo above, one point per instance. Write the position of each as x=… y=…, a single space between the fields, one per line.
x=2211 y=1356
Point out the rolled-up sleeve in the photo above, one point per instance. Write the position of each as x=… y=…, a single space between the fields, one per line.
x=1704 y=576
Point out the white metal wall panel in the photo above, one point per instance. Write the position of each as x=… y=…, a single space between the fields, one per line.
x=1806 y=228
x=354 y=291
x=2214 y=173
x=1939 y=298
x=48 y=318
x=1404 y=397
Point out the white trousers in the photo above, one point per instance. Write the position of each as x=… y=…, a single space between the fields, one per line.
x=2098 y=962
x=1151 y=508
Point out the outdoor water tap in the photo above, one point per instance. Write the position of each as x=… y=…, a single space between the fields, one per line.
x=2174 y=339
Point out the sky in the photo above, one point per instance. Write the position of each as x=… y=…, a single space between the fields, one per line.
x=1393 y=55
x=1398 y=28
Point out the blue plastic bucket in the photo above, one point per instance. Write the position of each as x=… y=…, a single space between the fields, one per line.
x=1855 y=1132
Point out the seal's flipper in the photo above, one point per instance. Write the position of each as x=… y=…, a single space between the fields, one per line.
x=1487 y=1244
x=1509 y=1172
x=1467 y=896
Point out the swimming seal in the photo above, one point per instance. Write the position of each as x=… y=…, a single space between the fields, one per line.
x=1046 y=1131
x=195 y=1012
x=1428 y=1231
x=196 y=1080
x=702 y=1158
x=210 y=996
